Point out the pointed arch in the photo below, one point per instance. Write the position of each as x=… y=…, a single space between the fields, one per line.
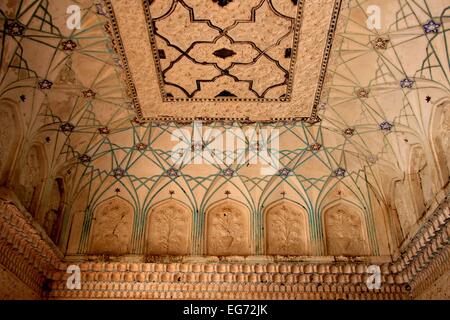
x=440 y=140
x=11 y=133
x=54 y=209
x=286 y=229
x=345 y=230
x=169 y=227
x=419 y=179
x=228 y=229
x=112 y=227
x=30 y=176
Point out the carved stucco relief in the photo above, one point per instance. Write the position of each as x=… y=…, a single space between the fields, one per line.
x=421 y=180
x=7 y=130
x=169 y=227
x=286 y=230
x=445 y=135
x=228 y=229
x=31 y=178
x=424 y=174
x=54 y=209
x=404 y=206
x=344 y=231
x=112 y=227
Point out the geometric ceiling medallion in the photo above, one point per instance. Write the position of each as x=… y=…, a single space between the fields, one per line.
x=285 y=172
x=67 y=128
x=257 y=60
x=340 y=172
x=386 y=126
x=68 y=45
x=118 y=173
x=380 y=43
x=363 y=93
x=315 y=147
x=14 y=28
x=349 y=132
x=407 y=83
x=228 y=172
x=45 y=84
x=431 y=27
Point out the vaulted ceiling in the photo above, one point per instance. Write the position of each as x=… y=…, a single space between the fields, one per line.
x=359 y=112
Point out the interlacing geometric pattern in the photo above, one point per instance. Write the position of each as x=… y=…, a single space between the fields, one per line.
x=76 y=115
x=227 y=49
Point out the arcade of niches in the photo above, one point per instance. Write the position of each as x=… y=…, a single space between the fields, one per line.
x=87 y=124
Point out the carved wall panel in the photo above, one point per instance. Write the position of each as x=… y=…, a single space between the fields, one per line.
x=445 y=136
x=8 y=138
x=344 y=231
x=286 y=230
x=228 y=230
x=419 y=179
x=169 y=229
x=441 y=148
x=405 y=208
x=31 y=178
x=112 y=227
x=54 y=211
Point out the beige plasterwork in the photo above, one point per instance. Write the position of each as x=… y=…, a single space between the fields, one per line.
x=314 y=41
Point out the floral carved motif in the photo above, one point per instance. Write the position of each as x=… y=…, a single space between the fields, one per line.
x=31 y=178
x=169 y=230
x=228 y=230
x=445 y=134
x=286 y=230
x=112 y=226
x=6 y=130
x=344 y=233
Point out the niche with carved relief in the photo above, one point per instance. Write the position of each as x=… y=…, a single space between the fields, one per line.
x=286 y=230
x=169 y=229
x=442 y=141
x=9 y=139
x=54 y=210
x=420 y=179
x=404 y=206
x=31 y=175
x=228 y=229
x=111 y=228
x=344 y=231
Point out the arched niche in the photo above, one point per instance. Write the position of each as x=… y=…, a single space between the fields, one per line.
x=111 y=228
x=287 y=230
x=169 y=229
x=345 y=230
x=31 y=175
x=420 y=179
x=10 y=134
x=404 y=206
x=441 y=139
x=54 y=209
x=228 y=229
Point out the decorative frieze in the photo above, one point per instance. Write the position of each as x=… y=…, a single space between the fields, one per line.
x=28 y=255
